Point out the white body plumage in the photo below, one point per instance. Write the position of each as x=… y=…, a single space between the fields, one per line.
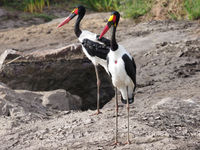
x=120 y=78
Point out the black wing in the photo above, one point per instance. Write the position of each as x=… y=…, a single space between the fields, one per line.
x=96 y=49
x=130 y=68
x=104 y=40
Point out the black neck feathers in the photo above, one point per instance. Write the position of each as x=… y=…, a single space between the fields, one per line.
x=113 y=43
x=81 y=14
x=77 y=29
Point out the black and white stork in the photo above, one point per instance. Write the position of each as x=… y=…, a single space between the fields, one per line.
x=94 y=48
x=122 y=69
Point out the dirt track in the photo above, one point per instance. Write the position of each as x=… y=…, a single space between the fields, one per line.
x=166 y=112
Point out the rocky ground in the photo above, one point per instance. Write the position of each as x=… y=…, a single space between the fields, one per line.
x=166 y=112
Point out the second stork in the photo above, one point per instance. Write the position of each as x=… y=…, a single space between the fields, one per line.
x=122 y=69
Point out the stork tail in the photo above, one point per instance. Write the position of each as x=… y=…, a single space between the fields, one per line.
x=130 y=100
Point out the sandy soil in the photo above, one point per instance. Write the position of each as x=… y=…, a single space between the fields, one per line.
x=46 y=36
x=166 y=112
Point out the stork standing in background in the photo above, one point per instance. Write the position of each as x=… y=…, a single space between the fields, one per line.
x=95 y=49
x=122 y=69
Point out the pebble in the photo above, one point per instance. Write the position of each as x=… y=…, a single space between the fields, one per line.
x=88 y=121
x=180 y=53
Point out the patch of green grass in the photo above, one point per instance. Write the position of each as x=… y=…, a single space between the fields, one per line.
x=12 y=4
x=26 y=5
x=136 y=8
x=35 y=5
x=44 y=16
x=102 y=5
x=39 y=15
x=193 y=8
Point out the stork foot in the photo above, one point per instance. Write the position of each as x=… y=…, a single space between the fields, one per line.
x=97 y=113
x=115 y=144
x=127 y=142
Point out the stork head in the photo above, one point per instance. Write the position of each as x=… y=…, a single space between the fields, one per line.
x=112 y=21
x=79 y=10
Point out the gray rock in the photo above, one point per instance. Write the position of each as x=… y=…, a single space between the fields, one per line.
x=27 y=105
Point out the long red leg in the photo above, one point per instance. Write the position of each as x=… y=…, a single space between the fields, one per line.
x=128 y=139
x=98 y=87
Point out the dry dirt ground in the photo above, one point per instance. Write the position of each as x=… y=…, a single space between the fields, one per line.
x=166 y=111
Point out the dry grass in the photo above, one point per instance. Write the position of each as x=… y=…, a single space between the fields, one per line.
x=166 y=9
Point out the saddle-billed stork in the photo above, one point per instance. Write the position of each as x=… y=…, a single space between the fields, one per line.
x=122 y=69
x=94 y=48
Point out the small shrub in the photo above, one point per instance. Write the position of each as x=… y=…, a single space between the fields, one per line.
x=193 y=8
x=173 y=16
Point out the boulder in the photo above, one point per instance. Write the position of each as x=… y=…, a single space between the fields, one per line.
x=64 y=68
x=23 y=103
x=62 y=100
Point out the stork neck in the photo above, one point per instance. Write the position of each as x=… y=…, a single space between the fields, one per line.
x=77 y=29
x=113 y=43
